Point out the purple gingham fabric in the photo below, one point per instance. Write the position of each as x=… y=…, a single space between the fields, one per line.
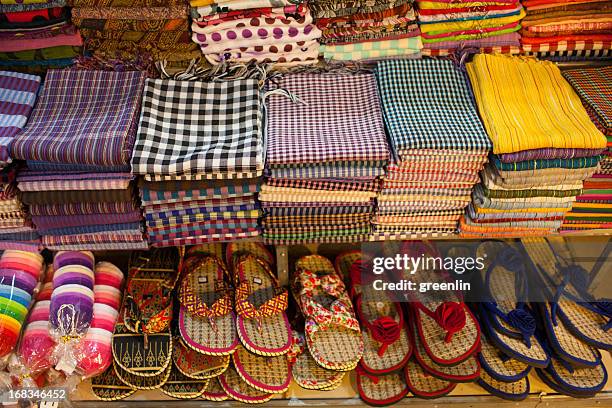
x=83 y=117
x=339 y=119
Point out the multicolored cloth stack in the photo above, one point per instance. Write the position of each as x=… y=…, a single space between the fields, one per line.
x=200 y=149
x=77 y=145
x=564 y=30
x=17 y=94
x=326 y=149
x=367 y=30
x=133 y=29
x=593 y=209
x=490 y=26
x=544 y=146
x=439 y=146
x=37 y=35
x=242 y=31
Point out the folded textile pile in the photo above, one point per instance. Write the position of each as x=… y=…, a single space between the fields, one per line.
x=593 y=209
x=241 y=31
x=77 y=145
x=367 y=29
x=37 y=35
x=544 y=146
x=567 y=29
x=326 y=149
x=200 y=149
x=18 y=94
x=491 y=26
x=439 y=146
x=158 y=29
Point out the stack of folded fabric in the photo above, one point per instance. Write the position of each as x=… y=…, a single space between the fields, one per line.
x=126 y=30
x=593 y=209
x=279 y=31
x=567 y=30
x=18 y=94
x=326 y=150
x=544 y=146
x=439 y=146
x=366 y=30
x=200 y=149
x=37 y=35
x=491 y=26
x=77 y=145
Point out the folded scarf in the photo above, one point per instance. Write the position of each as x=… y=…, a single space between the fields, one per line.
x=55 y=41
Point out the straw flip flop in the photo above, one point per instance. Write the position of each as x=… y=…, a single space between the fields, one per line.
x=307 y=373
x=499 y=366
x=513 y=391
x=207 y=322
x=262 y=324
x=214 y=391
x=586 y=317
x=108 y=387
x=197 y=365
x=466 y=371
x=182 y=387
x=504 y=314
x=447 y=328
x=423 y=385
x=387 y=347
x=214 y=249
x=573 y=380
x=332 y=332
x=235 y=250
x=141 y=354
x=238 y=390
x=266 y=374
x=142 y=383
x=381 y=390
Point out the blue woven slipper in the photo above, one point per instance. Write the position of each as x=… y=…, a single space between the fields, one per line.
x=499 y=366
x=514 y=391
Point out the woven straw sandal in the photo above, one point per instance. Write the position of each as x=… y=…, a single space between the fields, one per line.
x=238 y=390
x=262 y=324
x=587 y=318
x=447 y=328
x=513 y=391
x=144 y=355
x=182 y=387
x=306 y=372
x=266 y=374
x=197 y=365
x=381 y=390
x=505 y=316
x=387 y=347
x=108 y=387
x=214 y=249
x=499 y=366
x=235 y=250
x=423 y=385
x=206 y=318
x=574 y=382
x=332 y=332
x=466 y=371
x=142 y=383
x=214 y=391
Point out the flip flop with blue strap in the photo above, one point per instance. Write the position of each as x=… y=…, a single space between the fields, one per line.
x=504 y=315
x=499 y=366
x=513 y=391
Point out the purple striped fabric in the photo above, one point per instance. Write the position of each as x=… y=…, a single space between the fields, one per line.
x=549 y=153
x=44 y=222
x=28 y=175
x=82 y=208
x=83 y=117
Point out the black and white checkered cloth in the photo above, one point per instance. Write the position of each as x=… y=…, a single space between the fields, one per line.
x=195 y=127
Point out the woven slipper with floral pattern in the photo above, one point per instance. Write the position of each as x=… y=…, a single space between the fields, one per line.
x=499 y=366
x=267 y=374
x=381 y=390
x=181 y=387
x=504 y=315
x=197 y=365
x=447 y=329
x=466 y=371
x=206 y=317
x=142 y=383
x=237 y=389
x=423 y=385
x=214 y=391
x=387 y=346
x=513 y=391
x=235 y=250
x=108 y=387
x=332 y=332
x=145 y=355
x=306 y=372
x=262 y=324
